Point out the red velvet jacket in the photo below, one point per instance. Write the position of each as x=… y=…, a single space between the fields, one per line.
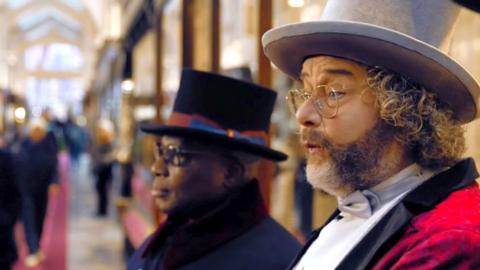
x=436 y=226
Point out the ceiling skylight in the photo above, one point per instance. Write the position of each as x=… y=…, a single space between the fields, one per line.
x=31 y=18
x=13 y=4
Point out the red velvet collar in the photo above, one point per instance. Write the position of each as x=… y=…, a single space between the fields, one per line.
x=193 y=238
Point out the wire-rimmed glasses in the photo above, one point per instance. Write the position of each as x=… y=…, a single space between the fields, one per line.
x=323 y=97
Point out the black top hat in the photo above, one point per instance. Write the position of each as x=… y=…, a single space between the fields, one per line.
x=225 y=112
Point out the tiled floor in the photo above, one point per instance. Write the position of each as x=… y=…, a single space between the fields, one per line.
x=93 y=243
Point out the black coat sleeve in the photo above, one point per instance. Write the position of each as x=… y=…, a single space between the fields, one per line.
x=9 y=193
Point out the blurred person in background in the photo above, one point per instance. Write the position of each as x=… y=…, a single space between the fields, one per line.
x=13 y=139
x=37 y=170
x=76 y=139
x=103 y=157
x=53 y=131
x=206 y=162
x=10 y=204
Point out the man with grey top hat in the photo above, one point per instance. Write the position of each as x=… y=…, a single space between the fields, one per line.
x=380 y=111
x=206 y=160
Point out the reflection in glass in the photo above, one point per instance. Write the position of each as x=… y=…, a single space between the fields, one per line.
x=239 y=35
x=171 y=42
x=144 y=66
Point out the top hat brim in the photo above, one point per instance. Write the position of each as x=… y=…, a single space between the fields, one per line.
x=215 y=139
x=288 y=46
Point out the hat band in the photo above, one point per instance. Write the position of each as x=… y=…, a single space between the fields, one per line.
x=202 y=123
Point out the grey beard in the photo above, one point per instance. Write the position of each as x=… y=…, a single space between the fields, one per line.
x=355 y=166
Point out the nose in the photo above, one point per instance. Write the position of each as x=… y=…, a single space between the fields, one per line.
x=159 y=168
x=308 y=116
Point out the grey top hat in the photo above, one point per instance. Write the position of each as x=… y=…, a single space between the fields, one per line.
x=406 y=36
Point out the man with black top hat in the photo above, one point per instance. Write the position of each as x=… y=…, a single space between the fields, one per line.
x=206 y=159
x=380 y=109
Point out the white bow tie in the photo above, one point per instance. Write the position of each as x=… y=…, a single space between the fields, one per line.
x=363 y=203
x=360 y=203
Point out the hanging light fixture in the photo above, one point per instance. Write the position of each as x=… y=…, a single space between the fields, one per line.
x=296 y=3
x=127 y=86
x=20 y=113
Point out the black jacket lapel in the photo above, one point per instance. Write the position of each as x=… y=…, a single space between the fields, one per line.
x=391 y=223
x=435 y=190
x=420 y=200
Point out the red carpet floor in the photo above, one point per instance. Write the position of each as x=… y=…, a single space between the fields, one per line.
x=54 y=238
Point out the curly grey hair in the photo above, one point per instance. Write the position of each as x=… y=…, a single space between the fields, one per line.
x=424 y=124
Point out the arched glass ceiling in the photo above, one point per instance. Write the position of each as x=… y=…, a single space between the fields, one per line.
x=75 y=4
x=50 y=91
x=50 y=27
x=52 y=67
x=13 y=4
x=33 y=18
x=53 y=57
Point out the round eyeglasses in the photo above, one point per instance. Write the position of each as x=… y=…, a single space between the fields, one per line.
x=324 y=99
x=180 y=157
x=175 y=155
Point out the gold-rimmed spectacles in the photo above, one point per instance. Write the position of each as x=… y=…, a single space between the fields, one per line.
x=324 y=98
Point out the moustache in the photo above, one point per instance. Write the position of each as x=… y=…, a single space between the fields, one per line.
x=310 y=136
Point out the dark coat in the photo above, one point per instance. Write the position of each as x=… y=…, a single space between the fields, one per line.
x=436 y=226
x=103 y=158
x=37 y=164
x=237 y=234
x=9 y=208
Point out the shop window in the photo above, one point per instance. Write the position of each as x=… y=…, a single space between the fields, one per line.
x=239 y=32
x=285 y=12
x=465 y=43
x=171 y=53
x=465 y=48
x=293 y=11
x=292 y=198
x=144 y=66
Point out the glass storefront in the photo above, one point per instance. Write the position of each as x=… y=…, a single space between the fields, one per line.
x=465 y=48
x=285 y=12
x=171 y=53
x=143 y=105
x=238 y=32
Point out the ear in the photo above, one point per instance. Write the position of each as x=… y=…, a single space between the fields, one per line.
x=232 y=173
